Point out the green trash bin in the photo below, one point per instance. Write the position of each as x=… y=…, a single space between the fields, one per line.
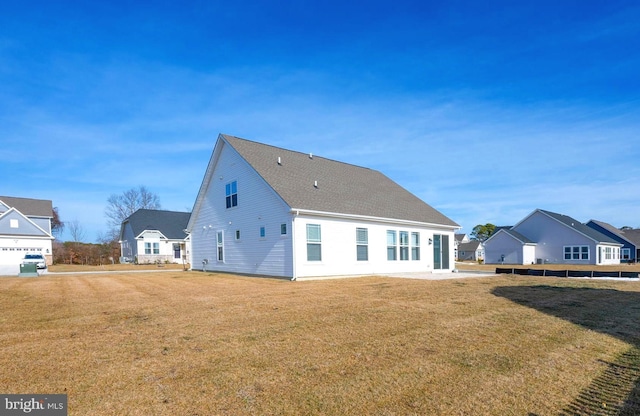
x=28 y=270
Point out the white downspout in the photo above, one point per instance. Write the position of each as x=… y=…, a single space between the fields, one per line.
x=293 y=245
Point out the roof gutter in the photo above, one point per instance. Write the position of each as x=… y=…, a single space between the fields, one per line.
x=300 y=211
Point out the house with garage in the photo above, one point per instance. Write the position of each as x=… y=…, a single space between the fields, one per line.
x=265 y=210
x=155 y=236
x=25 y=228
x=628 y=238
x=548 y=237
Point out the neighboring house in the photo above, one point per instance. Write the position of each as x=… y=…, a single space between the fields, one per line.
x=153 y=236
x=265 y=210
x=459 y=239
x=472 y=250
x=462 y=238
x=25 y=228
x=633 y=235
x=548 y=237
x=510 y=247
x=629 y=249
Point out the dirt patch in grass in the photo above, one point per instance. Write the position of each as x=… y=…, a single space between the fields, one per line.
x=196 y=343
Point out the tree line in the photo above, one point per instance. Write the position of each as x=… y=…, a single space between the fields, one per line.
x=107 y=250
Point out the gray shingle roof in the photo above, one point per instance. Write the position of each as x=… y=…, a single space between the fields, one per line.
x=607 y=227
x=632 y=235
x=341 y=188
x=470 y=246
x=516 y=235
x=29 y=206
x=170 y=223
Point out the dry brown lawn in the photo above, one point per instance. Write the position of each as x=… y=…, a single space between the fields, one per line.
x=625 y=267
x=192 y=343
x=66 y=268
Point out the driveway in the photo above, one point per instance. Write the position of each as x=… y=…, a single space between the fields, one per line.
x=9 y=269
x=12 y=270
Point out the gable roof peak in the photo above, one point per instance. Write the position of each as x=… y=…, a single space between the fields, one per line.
x=342 y=188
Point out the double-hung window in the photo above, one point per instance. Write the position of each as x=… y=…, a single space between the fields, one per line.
x=362 y=244
x=392 y=253
x=404 y=245
x=625 y=254
x=147 y=248
x=415 y=246
x=231 y=193
x=314 y=242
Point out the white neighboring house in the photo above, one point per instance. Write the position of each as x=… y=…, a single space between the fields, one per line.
x=548 y=237
x=155 y=236
x=265 y=210
x=25 y=228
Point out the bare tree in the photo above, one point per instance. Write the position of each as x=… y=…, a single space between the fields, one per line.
x=76 y=231
x=119 y=207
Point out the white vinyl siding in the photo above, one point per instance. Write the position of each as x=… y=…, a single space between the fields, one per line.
x=340 y=248
x=258 y=206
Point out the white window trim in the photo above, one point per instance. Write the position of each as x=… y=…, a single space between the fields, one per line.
x=363 y=243
x=580 y=247
x=220 y=246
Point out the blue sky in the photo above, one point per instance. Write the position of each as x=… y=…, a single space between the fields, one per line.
x=485 y=110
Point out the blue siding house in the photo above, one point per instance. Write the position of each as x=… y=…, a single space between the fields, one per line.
x=628 y=239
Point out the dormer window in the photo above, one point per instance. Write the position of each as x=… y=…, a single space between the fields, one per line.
x=231 y=192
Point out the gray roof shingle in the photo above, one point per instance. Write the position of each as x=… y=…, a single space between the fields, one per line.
x=341 y=187
x=170 y=223
x=632 y=235
x=516 y=235
x=29 y=206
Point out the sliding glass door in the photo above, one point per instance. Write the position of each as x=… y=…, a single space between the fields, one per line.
x=440 y=252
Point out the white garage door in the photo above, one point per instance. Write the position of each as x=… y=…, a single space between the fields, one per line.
x=14 y=255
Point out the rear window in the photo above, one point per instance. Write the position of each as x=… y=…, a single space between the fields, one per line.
x=33 y=256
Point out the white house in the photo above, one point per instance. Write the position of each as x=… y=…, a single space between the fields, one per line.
x=548 y=237
x=265 y=210
x=152 y=236
x=25 y=228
